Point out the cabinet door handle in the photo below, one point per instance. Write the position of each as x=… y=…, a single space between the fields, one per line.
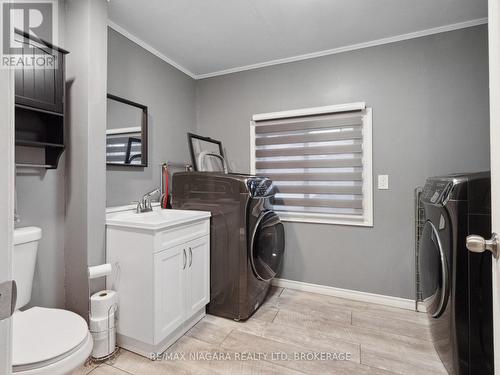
x=184 y=257
x=190 y=257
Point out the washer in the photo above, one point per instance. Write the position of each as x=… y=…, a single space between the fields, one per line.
x=247 y=239
x=455 y=283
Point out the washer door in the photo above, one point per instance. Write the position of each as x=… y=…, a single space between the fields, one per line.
x=267 y=246
x=434 y=275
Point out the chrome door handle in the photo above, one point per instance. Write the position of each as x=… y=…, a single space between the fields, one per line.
x=184 y=257
x=190 y=257
x=478 y=244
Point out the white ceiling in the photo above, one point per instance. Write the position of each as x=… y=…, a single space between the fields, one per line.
x=210 y=37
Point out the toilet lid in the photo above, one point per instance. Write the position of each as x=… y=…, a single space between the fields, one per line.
x=42 y=334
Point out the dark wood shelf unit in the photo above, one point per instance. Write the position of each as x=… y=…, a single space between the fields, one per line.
x=39 y=110
x=38 y=144
x=40 y=103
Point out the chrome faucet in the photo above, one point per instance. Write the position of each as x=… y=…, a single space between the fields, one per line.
x=144 y=205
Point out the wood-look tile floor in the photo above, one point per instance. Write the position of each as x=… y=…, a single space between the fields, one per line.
x=379 y=340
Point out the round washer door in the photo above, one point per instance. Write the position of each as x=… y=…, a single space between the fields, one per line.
x=433 y=270
x=267 y=246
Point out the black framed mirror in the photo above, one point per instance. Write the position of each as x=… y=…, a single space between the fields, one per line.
x=126 y=133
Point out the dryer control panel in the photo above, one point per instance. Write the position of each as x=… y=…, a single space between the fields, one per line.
x=436 y=191
x=260 y=187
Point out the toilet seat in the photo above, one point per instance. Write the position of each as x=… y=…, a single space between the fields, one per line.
x=44 y=338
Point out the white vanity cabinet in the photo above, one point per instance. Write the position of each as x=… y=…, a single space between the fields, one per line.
x=163 y=275
x=181 y=285
x=199 y=290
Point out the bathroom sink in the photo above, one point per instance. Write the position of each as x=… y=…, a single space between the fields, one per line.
x=154 y=220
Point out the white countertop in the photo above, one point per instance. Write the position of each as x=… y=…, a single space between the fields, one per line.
x=158 y=219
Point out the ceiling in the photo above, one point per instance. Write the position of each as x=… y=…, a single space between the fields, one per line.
x=211 y=37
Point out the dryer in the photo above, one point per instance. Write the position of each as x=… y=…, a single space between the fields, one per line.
x=247 y=240
x=456 y=284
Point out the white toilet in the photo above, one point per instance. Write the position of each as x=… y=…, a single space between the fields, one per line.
x=45 y=341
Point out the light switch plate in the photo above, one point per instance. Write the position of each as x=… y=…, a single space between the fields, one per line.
x=383 y=182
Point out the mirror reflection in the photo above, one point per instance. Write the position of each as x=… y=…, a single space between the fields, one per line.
x=126 y=132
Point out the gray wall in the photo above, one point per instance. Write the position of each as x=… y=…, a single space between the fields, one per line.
x=137 y=75
x=430 y=116
x=86 y=73
x=41 y=199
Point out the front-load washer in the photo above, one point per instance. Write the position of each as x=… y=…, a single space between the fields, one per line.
x=456 y=284
x=247 y=239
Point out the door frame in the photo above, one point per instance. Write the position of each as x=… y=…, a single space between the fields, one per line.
x=494 y=82
x=7 y=177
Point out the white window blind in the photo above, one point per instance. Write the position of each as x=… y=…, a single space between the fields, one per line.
x=320 y=162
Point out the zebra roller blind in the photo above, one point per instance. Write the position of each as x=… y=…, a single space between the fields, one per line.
x=320 y=162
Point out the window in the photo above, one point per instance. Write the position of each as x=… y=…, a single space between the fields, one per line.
x=320 y=160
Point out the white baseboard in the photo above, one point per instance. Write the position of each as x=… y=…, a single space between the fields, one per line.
x=355 y=295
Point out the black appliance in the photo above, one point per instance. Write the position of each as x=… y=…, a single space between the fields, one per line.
x=456 y=284
x=246 y=236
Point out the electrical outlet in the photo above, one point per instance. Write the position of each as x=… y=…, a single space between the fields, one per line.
x=383 y=182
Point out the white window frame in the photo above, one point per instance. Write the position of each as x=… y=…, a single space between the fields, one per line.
x=339 y=219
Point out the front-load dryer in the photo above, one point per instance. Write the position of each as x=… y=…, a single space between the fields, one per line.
x=456 y=284
x=247 y=239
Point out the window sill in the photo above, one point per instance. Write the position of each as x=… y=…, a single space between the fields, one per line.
x=324 y=219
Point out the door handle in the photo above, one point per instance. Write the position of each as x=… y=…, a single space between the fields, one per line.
x=8 y=299
x=184 y=257
x=190 y=257
x=478 y=244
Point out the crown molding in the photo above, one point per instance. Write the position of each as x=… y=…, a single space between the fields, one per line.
x=352 y=47
x=148 y=48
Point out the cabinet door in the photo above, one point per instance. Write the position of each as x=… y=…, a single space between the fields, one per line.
x=198 y=274
x=41 y=88
x=170 y=289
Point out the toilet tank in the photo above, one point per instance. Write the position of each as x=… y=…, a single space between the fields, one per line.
x=24 y=260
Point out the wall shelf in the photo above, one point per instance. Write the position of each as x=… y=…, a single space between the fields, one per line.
x=39 y=107
x=38 y=144
x=39 y=110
